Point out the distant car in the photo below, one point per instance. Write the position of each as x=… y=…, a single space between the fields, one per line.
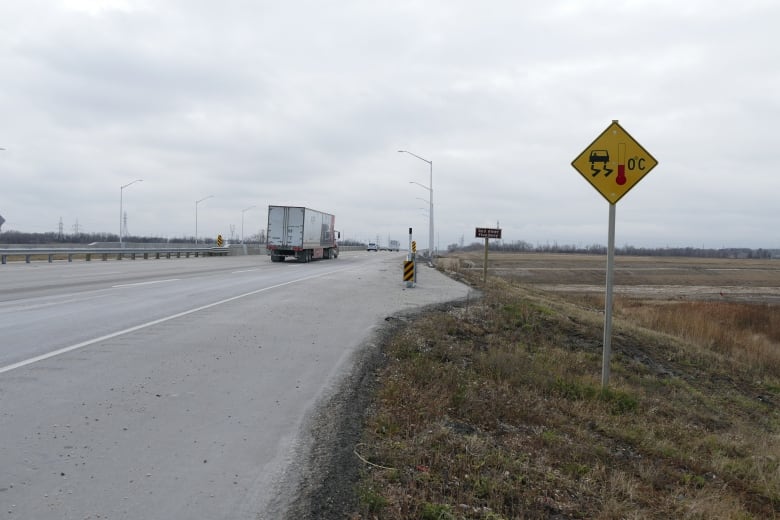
x=372 y=247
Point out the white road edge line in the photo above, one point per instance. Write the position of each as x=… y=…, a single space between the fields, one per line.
x=145 y=283
x=77 y=346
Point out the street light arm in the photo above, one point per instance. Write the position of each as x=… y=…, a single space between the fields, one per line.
x=130 y=183
x=414 y=154
x=420 y=185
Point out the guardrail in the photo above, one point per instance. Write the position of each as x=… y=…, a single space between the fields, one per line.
x=105 y=253
x=145 y=252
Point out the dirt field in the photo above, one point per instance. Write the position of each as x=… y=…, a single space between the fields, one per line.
x=641 y=277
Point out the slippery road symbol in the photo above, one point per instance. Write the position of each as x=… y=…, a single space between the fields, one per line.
x=600 y=156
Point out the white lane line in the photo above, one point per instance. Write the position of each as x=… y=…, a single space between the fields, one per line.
x=245 y=271
x=77 y=346
x=145 y=283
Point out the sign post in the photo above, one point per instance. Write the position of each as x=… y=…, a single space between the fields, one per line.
x=614 y=150
x=414 y=259
x=487 y=234
x=607 y=352
x=410 y=268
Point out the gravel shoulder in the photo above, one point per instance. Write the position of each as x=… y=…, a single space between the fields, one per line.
x=327 y=468
x=330 y=469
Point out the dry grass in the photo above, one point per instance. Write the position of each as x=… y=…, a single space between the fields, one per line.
x=495 y=411
x=748 y=333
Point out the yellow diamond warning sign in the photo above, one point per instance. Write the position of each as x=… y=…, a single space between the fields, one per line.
x=614 y=163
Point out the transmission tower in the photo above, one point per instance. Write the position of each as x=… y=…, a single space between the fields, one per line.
x=60 y=234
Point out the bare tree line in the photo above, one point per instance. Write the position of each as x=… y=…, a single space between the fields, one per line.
x=23 y=238
x=627 y=250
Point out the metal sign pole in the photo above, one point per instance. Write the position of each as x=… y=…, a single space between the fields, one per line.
x=484 y=268
x=410 y=258
x=409 y=255
x=607 y=354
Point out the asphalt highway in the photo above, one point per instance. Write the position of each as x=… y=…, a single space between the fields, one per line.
x=177 y=388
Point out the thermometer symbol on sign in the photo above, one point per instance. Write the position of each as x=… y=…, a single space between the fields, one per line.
x=621 y=177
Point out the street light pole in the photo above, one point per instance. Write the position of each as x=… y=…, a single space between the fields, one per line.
x=430 y=201
x=121 y=190
x=196 y=216
x=242 y=221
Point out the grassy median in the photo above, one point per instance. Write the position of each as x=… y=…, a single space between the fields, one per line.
x=494 y=410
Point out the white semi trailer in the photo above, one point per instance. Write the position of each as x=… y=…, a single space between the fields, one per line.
x=302 y=233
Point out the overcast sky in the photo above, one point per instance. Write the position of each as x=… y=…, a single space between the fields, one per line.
x=307 y=103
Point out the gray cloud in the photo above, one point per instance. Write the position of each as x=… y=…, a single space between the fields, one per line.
x=261 y=103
